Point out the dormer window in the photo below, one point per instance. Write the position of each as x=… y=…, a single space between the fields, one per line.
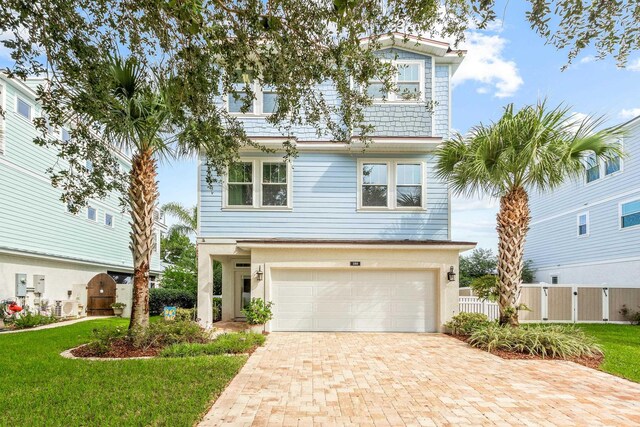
x=408 y=81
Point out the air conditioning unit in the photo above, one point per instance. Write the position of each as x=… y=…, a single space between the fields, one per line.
x=67 y=308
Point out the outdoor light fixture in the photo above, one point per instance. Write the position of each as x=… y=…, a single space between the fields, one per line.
x=259 y=273
x=451 y=276
x=69 y=293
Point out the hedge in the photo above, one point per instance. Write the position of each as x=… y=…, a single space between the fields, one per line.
x=160 y=297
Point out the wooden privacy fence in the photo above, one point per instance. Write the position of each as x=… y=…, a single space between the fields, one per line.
x=564 y=303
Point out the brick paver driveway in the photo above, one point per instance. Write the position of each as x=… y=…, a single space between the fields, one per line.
x=414 y=379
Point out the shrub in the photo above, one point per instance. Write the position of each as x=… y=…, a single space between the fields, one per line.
x=467 y=323
x=164 y=333
x=564 y=341
x=118 y=305
x=486 y=287
x=104 y=337
x=258 y=312
x=235 y=343
x=160 y=297
x=186 y=314
x=31 y=320
x=629 y=315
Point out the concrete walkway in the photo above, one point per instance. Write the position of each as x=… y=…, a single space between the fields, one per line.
x=301 y=379
x=56 y=325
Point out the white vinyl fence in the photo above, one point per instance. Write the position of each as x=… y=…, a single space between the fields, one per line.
x=476 y=305
x=594 y=303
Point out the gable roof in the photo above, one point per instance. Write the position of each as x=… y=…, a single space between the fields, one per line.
x=441 y=51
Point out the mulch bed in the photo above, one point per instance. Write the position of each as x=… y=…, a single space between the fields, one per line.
x=590 y=362
x=120 y=349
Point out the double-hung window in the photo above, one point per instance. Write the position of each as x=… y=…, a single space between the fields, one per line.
x=583 y=224
x=240 y=184
x=612 y=166
x=397 y=184
x=108 y=220
x=258 y=183
x=274 y=184
x=408 y=82
x=375 y=185
x=262 y=101
x=593 y=169
x=630 y=214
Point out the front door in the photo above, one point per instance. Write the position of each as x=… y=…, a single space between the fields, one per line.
x=243 y=292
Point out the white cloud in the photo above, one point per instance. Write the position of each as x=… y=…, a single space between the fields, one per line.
x=482 y=90
x=629 y=113
x=634 y=65
x=587 y=59
x=485 y=63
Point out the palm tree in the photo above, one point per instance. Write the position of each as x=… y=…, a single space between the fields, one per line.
x=188 y=218
x=535 y=148
x=138 y=122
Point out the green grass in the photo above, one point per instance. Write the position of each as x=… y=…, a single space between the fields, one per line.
x=42 y=388
x=621 y=346
x=234 y=343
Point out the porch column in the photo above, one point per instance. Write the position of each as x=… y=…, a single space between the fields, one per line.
x=205 y=287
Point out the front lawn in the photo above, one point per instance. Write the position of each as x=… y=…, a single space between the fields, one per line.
x=621 y=346
x=42 y=388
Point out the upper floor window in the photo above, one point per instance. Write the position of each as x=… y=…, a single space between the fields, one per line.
x=408 y=80
x=108 y=220
x=92 y=213
x=265 y=100
x=583 y=224
x=259 y=183
x=612 y=166
x=593 y=169
x=391 y=184
x=24 y=108
x=630 y=214
x=65 y=136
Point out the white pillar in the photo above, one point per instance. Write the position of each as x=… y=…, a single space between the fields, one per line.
x=205 y=287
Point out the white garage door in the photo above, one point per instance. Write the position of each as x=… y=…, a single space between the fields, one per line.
x=353 y=300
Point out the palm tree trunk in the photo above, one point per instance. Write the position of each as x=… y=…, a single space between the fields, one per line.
x=143 y=196
x=513 y=224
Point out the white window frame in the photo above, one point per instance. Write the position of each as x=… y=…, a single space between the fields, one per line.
x=96 y=216
x=624 y=202
x=394 y=98
x=588 y=224
x=602 y=169
x=113 y=220
x=551 y=276
x=258 y=102
x=31 y=109
x=256 y=180
x=392 y=174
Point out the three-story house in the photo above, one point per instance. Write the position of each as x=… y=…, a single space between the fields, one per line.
x=338 y=238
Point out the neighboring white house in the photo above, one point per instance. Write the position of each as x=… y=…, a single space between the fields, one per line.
x=337 y=238
x=588 y=231
x=46 y=252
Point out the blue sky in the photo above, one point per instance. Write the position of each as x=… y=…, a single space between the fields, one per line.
x=507 y=63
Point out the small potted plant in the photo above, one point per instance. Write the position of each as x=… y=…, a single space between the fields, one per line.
x=258 y=312
x=118 y=308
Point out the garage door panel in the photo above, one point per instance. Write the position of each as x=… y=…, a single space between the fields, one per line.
x=294 y=308
x=362 y=308
x=331 y=290
x=299 y=289
x=371 y=290
x=284 y=324
x=354 y=300
x=331 y=307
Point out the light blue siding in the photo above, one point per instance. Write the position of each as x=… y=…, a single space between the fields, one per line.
x=390 y=119
x=33 y=219
x=325 y=206
x=553 y=240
